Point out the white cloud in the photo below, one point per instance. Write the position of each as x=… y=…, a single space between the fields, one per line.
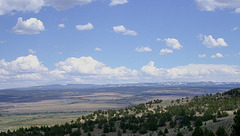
x=24 y=68
x=143 y=49
x=159 y=39
x=31 y=51
x=151 y=69
x=28 y=70
x=202 y=72
x=210 y=42
x=165 y=51
x=10 y=6
x=89 y=66
x=124 y=31
x=237 y=10
x=173 y=43
x=202 y=55
x=98 y=49
x=212 y=5
x=88 y=26
x=118 y=2
x=82 y=65
x=235 y=28
x=192 y=72
x=24 y=64
x=24 y=71
x=65 y=4
x=30 y=26
x=217 y=55
x=61 y=25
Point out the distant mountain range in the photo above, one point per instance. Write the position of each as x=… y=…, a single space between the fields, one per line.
x=160 y=84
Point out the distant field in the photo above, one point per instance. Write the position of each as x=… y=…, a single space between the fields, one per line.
x=15 y=121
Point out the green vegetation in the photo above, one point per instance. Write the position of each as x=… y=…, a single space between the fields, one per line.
x=150 y=118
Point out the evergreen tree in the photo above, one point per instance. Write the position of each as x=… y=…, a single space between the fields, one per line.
x=119 y=133
x=198 y=122
x=105 y=128
x=160 y=133
x=236 y=125
x=143 y=130
x=179 y=134
x=210 y=133
x=166 y=131
x=173 y=123
x=221 y=131
x=124 y=129
x=198 y=132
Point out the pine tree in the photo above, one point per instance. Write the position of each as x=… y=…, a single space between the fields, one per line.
x=221 y=131
x=198 y=132
x=236 y=125
x=166 y=131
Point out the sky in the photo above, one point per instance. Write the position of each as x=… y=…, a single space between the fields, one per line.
x=118 y=41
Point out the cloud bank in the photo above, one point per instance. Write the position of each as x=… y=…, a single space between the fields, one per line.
x=28 y=70
x=11 y=6
x=212 y=5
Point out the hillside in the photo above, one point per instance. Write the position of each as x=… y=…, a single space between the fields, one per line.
x=187 y=116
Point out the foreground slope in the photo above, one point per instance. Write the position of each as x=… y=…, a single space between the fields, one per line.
x=203 y=115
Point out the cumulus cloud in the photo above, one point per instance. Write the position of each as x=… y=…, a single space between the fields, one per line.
x=61 y=25
x=24 y=64
x=165 y=51
x=23 y=68
x=124 y=31
x=210 y=42
x=143 y=49
x=30 y=26
x=151 y=69
x=9 y=6
x=23 y=71
x=173 y=43
x=98 y=49
x=212 y=5
x=88 y=26
x=118 y=2
x=202 y=55
x=217 y=55
x=90 y=66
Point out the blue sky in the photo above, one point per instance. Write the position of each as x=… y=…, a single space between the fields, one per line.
x=118 y=41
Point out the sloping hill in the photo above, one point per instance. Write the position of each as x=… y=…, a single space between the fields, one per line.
x=201 y=114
